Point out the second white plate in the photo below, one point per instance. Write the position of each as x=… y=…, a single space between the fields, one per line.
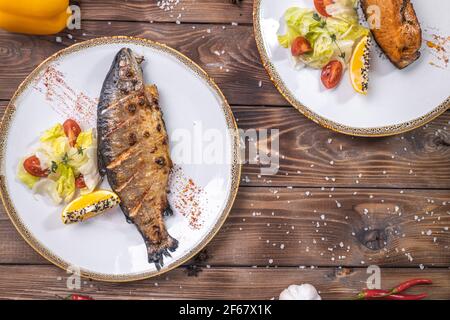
x=398 y=101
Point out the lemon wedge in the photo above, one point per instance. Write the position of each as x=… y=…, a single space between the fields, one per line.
x=359 y=65
x=89 y=205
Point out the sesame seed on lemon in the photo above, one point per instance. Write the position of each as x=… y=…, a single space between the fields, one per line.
x=89 y=205
x=360 y=64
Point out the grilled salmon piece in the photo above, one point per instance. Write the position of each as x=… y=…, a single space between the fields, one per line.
x=134 y=152
x=399 y=35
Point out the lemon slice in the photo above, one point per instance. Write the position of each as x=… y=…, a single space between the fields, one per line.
x=359 y=65
x=89 y=205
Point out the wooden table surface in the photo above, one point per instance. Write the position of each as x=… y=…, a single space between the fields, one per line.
x=337 y=204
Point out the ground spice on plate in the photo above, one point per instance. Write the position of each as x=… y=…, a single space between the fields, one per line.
x=439 y=46
x=64 y=99
x=187 y=196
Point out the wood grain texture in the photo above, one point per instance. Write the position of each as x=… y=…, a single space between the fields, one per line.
x=314 y=156
x=419 y=159
x=294 y=227
x=206 y=11
x=237 y=70
x=46 y=282
x=374 y=216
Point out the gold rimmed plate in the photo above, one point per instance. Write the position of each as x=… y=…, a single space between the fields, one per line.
x=203 y=183
x=398 y=100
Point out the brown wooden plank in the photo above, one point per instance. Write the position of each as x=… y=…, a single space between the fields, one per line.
x=314 y=156
x=48 y=282
x=237 y=71
x=13 y=248
x=308 y=227
x=420 y=159
x=206 y=11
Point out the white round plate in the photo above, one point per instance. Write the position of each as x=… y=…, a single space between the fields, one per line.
x=398 y=100
x=108 y=248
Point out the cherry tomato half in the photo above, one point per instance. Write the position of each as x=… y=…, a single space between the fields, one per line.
x=71 y=130
x=332 y=74
x=321 y=6
x=300 y=45
x=79 y=182
x=33 y=166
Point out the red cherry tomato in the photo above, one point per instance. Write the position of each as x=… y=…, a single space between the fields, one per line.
x=79 y=182
x=71 y=130
x=33 y=166
x=321 y=6
x=332 y=74
x=300 y=45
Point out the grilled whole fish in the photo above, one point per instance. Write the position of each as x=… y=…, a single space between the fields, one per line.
x=399 y=35
x=134 y=152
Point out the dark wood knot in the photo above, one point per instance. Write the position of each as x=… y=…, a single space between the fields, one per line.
x=373 y=239
x=441 y=138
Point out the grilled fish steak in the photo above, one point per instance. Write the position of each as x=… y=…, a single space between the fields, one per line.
x=134 y=152
x=399 y=35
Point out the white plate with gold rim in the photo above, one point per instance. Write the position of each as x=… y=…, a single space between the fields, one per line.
x=195 y=111
x=398 y=100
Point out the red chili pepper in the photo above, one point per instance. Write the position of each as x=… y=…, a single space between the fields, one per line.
x=394 y=294
x=371 y=294
x=78 y=297
x=405 y=296
x=408 y=284
x=377 y=294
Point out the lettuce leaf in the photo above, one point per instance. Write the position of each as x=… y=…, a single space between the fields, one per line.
x=299 y=22
x=60 y=148
x=65 y=163
x=65 y=184
x=286 y=39
x=76 y=158
x=78 y=155
x=85 y=139
x=302 y=20
x=329 y=37
x=53 y=133
x=26 y=178
x=47 y=187
x=89 y=170
x=343 y=9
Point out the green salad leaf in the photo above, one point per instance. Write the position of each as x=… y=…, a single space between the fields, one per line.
x=329 y=38
x=53 y=133
x=85 y=139
x=25 y=177
x=64 y=162
x=65 y=184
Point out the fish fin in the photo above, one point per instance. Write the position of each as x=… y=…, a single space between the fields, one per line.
x=151 y=91
x=168 y=212
x=156 y=253
x=139 y=58
x=100 y=164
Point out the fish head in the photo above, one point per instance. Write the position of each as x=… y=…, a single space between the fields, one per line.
x=124 y=77
x=128 y=71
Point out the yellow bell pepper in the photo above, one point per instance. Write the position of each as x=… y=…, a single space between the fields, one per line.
x=34 y=16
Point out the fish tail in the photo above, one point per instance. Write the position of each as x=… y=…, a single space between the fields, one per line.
x=156 y=253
